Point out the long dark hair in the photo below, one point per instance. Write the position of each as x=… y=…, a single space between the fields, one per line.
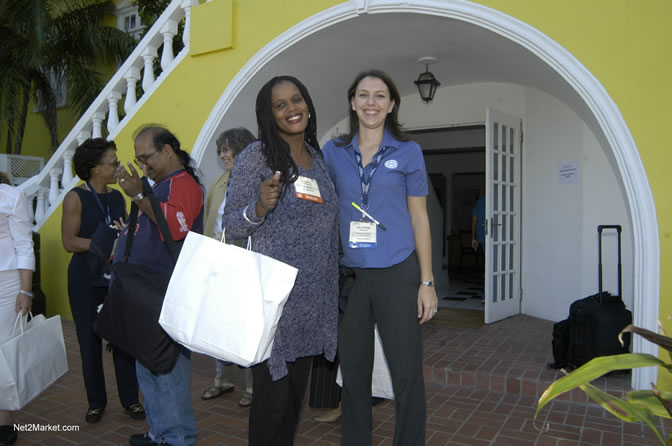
x=274 y=148
x=392 y=119
x=162 y=136
x=88 y=155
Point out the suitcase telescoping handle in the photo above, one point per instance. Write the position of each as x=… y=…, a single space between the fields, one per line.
x=618 y=229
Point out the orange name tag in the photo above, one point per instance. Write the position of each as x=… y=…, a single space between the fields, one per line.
x=307 y=189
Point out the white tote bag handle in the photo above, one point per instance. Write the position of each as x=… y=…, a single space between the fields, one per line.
x=249 y=239
x=20 y=322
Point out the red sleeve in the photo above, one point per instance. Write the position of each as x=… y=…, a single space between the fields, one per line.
x=184 y=206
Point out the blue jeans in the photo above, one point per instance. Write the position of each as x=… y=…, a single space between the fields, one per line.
x=168 y=402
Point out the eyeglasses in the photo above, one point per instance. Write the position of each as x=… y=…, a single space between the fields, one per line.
x=143 y=159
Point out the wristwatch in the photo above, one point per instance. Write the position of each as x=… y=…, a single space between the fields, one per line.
x=427 y=283
x=138 y=197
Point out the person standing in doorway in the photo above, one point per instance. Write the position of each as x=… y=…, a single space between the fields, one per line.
x=478 y=224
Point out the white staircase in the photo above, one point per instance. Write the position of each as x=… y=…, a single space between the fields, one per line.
x=57 y=178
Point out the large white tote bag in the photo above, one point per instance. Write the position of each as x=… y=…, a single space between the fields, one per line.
x=31 y=360
x=225 y=301
x=381 y=379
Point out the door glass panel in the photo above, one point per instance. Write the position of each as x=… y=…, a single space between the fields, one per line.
x=511 y=277
x=510 y=227
x=495 y=167
x=504 y=232
x=504 y=167
x=495 y=197
x=511 y=164
x=504 y=264
x=504 y=197
x=512 y=135
x=495 y=282
x=502 y=287
x=495 y=228
x=494 y=257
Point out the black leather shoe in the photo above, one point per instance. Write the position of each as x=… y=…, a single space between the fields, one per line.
x=8 y=435
x=93 y=415
x=135 y=411
x=141 y=440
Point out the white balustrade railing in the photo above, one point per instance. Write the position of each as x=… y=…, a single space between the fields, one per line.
x=46 y=190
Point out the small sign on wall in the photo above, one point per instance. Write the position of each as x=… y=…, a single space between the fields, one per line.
x=568 y=172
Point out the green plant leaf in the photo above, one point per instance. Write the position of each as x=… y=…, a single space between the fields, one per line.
x=648 y=398
x=625 y=410
x=663 y=341
x=596 y=368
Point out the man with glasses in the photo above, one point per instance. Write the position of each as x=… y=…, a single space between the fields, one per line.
x=157 y=152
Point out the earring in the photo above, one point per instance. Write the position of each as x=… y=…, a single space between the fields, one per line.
x=308 y=115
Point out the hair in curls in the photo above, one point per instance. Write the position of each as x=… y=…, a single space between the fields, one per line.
x=88 y=155
x=392 y=119
x=162 y=136
x=274 y=148
x=235 y=140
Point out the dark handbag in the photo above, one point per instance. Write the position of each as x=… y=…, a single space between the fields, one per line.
x=98 y=257
x=129 y=318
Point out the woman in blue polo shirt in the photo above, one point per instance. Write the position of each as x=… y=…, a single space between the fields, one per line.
x=381 y=181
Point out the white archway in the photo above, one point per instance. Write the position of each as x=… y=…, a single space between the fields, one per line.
x=611 y=122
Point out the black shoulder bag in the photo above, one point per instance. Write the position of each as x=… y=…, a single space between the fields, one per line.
x=129 y=318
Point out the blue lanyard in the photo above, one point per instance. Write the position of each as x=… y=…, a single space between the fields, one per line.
x=108 y=217
x=367 y=184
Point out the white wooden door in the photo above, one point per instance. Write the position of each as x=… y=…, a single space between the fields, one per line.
x=502 y=214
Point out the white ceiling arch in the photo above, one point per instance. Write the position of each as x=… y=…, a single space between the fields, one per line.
x=473 y=44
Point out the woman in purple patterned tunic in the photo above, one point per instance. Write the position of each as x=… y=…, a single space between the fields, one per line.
x=281 y=195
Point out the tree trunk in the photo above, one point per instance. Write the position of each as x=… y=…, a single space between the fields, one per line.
x=10 y=135
x=23 y=117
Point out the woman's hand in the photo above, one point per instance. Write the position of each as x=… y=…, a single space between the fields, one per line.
x=120 y=224
x=269 y=194
x=428 y=303
x=23 y=303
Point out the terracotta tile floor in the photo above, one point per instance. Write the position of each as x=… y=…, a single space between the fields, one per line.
x=482 y=386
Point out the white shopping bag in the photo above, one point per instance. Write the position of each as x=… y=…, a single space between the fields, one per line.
x=31 y=360
x=381 y=380
x=225 y=301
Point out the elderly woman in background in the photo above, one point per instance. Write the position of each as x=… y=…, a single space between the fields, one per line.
x=17 y=264
x=88 y=212
x=229 y=144
x=281 y=195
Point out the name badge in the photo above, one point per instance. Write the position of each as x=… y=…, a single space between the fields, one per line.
x=307 y=189
x=362 y=235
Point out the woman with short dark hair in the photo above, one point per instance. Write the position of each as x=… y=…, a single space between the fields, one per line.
x=90 y=212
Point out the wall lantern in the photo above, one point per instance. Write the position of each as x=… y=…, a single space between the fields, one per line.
x=427 y=83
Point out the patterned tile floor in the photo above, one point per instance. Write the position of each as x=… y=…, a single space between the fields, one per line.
x=481 y=388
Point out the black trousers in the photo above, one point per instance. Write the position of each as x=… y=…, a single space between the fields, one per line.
x=84 y=301
x=387 y=297
x=276 y=404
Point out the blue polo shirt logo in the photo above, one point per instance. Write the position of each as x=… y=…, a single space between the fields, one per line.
x=391 y=164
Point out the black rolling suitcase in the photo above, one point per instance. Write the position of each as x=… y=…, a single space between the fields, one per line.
x=595 y=321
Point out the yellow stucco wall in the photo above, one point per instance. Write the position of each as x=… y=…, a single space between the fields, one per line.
x=623 y=43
